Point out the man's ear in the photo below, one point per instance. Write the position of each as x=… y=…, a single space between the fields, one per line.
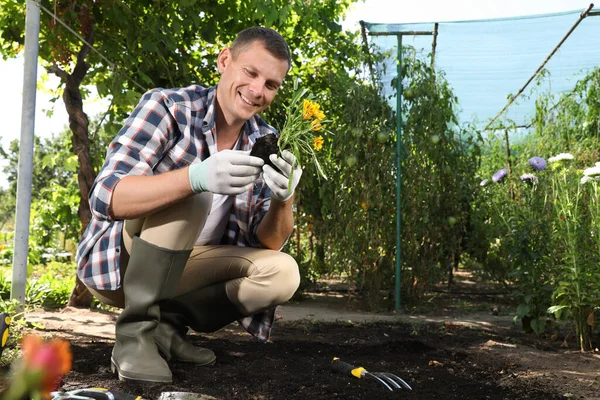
x=224 y=59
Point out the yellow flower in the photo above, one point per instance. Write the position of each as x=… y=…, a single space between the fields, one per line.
x=316 y=125
x=317 y=113
x=307 y=109
x=318 y=143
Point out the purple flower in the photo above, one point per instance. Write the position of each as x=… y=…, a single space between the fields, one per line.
x=537 y=163
x=529 y=178
x=499 y=175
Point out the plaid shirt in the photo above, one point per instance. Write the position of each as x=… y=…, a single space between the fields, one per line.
x=168 y=130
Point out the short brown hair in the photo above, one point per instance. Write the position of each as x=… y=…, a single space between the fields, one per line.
x=274 y=43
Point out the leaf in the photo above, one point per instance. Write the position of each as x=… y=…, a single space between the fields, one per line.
x=538 y=325
x=290 y=179
x=149 y=47
x=71 y=163
x=591 y=319
x=320 y=169
x=556 y=309
x=522 y=310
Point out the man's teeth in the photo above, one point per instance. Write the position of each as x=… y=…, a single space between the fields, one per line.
x=246 y=100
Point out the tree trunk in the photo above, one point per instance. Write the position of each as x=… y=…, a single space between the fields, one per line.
x=79 y=125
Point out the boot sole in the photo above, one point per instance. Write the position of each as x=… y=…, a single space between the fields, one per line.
x=114 y=367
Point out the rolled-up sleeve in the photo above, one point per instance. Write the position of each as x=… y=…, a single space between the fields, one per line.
x=136 y=150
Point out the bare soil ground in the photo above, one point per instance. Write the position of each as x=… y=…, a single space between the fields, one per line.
x=459 y=350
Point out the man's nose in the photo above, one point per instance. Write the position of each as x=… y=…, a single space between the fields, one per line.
x=257 y=87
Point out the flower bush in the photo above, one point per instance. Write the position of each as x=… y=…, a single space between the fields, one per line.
x=40 y=370
x=543 y=233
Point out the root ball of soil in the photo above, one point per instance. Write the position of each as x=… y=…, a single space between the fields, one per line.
x=265 y=146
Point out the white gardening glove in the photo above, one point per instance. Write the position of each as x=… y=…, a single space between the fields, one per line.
x=228 y=172
x=278 y=181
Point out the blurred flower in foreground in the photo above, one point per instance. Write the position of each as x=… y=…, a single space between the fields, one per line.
x=41 y=369
x=561 y=157
x=484 y=182
x=499 y=175
x=529 y=178
x=537 y=163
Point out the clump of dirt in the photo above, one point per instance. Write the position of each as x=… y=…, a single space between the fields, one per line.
x=296 y=364
x=264 y=147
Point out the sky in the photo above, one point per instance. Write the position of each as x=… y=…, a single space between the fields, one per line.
x=384 y=11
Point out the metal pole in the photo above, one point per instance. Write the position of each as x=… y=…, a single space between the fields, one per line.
x=32 y=33
x=399 y=156
x=435 y=34
x=398 y=173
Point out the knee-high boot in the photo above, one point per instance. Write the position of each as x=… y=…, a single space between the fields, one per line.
x=171 y=339
x=152 y=275
x=207 y=309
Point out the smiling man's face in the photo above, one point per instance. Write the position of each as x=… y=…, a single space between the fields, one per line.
x=249 y=82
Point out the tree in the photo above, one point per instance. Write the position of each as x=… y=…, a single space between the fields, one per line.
x=125 y=47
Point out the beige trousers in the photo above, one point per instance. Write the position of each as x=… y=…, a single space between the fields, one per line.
x=256 y=279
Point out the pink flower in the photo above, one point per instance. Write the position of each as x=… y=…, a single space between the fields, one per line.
x=42 y=368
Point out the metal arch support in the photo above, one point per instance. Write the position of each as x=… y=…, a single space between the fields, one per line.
x=398 y=304
x=585 y=13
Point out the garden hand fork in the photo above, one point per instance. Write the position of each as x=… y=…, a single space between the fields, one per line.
x=390 y=381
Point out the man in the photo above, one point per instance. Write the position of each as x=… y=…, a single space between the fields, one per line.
x=186 y=232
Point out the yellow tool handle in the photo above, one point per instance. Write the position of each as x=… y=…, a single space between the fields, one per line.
x=340 y=366
x=4 y=324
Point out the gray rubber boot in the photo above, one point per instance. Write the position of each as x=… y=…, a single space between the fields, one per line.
x=170 y=337
x=152 y=275
x=207 y=309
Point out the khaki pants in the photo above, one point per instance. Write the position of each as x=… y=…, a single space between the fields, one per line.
x=257 y=279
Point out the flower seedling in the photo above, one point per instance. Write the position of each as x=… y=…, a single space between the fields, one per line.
x=302 y=132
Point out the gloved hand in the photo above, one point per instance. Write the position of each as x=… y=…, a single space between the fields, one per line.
x=228 y=172
x=278 y=181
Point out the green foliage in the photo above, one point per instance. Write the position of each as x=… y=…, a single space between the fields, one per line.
x=48 y=285
x=577 y=282
x=354 y=217
x=18 y=327
x=357 y=210
x=173 y=43
x=542 y=238
x=7 y=209
x=54 y=221
x=53 y=284
x=6 y=255
x=439 y=161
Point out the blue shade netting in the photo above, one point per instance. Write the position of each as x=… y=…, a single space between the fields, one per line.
x=485 y=61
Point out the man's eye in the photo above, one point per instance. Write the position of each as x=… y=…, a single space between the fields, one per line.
x=250 y=73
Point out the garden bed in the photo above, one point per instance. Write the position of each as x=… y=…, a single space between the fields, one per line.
x=448 y=362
